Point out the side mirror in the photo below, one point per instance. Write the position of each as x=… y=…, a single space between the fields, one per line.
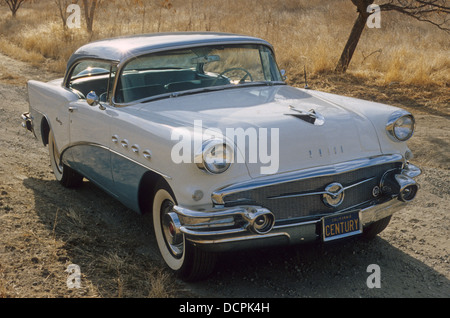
x=92 y=99
x=283 y=74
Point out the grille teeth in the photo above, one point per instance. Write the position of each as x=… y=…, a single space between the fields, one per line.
x=358 y=184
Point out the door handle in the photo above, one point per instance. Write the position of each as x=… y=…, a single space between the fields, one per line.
x=72 y=109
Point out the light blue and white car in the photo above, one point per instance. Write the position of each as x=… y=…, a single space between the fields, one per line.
x=201 y=130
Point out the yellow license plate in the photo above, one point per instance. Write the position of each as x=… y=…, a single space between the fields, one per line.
x=341 y=225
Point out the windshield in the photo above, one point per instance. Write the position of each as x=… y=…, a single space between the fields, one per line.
x=201 y=68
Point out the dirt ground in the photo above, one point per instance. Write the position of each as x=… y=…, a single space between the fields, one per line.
x=44 y=228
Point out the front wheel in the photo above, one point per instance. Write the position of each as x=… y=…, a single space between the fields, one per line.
x=372 y=230
x=188 y=261
x=68 y=177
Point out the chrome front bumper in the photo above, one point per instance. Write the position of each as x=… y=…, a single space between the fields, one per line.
x=248 y=226
x=280 y=234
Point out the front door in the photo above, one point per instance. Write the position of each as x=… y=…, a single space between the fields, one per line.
x=90 y=138
x=90 y=143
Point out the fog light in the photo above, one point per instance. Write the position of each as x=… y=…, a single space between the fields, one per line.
x=408 y=188
x=260 y=221
x=263 y=224
x=408 y=193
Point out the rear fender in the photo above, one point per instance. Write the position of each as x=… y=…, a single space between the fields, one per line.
x=49 y=109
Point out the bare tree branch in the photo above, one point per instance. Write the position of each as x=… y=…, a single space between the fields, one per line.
x=435 y=12
x=89 y=13
x=14 y=5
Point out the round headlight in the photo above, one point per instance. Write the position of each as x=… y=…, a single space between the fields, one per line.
x=216 y=157
x=400 y=126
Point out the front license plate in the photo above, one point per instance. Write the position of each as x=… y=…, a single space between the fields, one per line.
x=341 y=225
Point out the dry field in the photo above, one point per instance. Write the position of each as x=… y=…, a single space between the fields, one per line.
x=310 y=33
x=44 y=228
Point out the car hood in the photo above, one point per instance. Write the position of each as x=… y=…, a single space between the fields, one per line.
x=296 y=128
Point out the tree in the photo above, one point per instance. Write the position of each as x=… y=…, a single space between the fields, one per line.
x=435 y=12
x=89 y=13
x=14 y=5
x=62 y=6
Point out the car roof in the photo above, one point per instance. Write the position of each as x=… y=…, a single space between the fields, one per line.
x=123 y=48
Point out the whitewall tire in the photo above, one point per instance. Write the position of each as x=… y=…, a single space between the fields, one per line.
x=189 y=262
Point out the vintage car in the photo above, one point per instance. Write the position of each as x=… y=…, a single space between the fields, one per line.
x=202 y=131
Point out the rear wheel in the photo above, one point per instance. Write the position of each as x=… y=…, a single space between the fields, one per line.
x=68 y=177
x=188 y=261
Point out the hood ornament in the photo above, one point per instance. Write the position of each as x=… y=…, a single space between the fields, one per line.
x=310 y=116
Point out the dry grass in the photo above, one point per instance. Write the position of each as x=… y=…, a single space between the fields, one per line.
x=3 y=290
x=12 y=49
x=122 y=271
x=304 y=32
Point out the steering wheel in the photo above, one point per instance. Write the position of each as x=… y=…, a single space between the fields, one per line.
x=234 y=69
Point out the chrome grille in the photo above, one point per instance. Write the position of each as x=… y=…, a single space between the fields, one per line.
x=302 y=198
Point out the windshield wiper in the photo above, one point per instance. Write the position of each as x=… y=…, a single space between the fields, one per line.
x=211 y=89
x=267 y=83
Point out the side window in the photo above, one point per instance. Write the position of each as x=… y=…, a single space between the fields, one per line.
x=271 y=71
x=91 y=75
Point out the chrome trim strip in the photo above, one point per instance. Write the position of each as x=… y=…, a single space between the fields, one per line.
x=295 y=195
x=284 y=226
x=239 y=239
x=214 y=214
x=321 y=171
x=187 y=231
x=82 y=143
